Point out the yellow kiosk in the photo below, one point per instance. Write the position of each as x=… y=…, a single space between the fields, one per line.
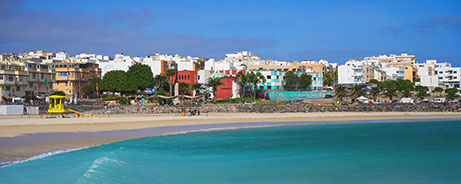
x=56 y=105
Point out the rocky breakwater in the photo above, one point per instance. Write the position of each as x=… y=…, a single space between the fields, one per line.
x=276 y=108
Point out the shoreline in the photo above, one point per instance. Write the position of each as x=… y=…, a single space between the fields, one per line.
x=22 y=139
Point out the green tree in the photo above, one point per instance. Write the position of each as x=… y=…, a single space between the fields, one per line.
x=243 y=82
x=438 y=91
x=185 y=88
x=255 y=79
x=305 y=81
x=405 y=87
x=291 y=81
x=373 y=81
x=390 y=88
x=340 y=93
x=170 y=75
x=329 y=78
x=357 y=92
x=30 y=97
x=197 y=87
x=161 y=81
x=451 y=93
x=91 y=88
x=214 y=83
x=421 y=91
x=374 y=93
x=141 y=76
x=116 y=81
x=60 y=93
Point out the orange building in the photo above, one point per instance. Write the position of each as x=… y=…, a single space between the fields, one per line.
x=72 y=76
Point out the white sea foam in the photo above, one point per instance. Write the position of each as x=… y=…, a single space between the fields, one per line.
x=99 y=162
x=44 y=155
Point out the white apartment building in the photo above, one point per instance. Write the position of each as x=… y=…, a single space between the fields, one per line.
x=433 y=74
x=352 y=72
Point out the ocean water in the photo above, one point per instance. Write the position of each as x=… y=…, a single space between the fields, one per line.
x=415 y=152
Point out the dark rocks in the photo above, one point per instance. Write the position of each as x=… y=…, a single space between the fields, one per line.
x=271 y=108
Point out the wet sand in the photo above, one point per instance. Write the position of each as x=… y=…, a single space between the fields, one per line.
x=24 y=137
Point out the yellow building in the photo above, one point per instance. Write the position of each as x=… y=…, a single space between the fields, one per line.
x=411 y=73
x=72 y=76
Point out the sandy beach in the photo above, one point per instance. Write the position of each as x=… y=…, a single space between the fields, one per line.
x=22 y=137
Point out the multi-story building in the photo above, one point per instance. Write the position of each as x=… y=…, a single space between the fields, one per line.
x=352 y=72
x=72 y=76
x=19 y=77
x=189 y=77
x=229 y=89
x=433 y=74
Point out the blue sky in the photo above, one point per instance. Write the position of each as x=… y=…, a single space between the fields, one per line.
x=286 y=30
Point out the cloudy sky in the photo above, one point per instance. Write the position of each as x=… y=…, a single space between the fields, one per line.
x=335 y=30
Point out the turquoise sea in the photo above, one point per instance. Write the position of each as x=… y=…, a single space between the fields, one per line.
x=412 y=152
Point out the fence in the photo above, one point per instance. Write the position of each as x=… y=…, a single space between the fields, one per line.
x=293 y=95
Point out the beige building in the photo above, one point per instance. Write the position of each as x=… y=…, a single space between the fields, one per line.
x=20 y=77
x=295 y=66
x=72 y=76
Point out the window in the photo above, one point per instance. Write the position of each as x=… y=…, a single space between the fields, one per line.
x=34 y=76
x=65 y=83
x=18 y=88
x=70 y=83
x=42 y=76
x=57 y=83
x=1 y=77
x=7 y=88
x=10 y=78
x=268 y=77
x=63 y=74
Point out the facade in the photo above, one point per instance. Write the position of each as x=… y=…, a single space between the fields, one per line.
x=19 y=77
x=351 y=73
x=72 y=76
x=230 y=88
x=189 y=77
x=433 y=74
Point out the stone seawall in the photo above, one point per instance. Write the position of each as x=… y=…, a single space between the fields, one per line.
x=278 y=108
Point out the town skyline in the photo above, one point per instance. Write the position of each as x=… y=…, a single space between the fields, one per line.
x=334 y=31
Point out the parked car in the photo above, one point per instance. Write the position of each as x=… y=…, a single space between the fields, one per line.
x=422 y=101
x=295 y=102
x=438 y=100
x=328 y=96
x=246 y=102
x=406 y=100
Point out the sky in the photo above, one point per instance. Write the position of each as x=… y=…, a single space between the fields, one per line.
x=334 y=30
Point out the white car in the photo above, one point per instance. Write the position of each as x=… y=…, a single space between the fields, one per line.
x=406 y=100
x=438 y=100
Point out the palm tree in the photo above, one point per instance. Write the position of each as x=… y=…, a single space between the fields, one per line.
x=340 y=93
x=170 y=73
x=256 y=79
x=374 y=92
x=242 y=79
x=214 y=83
x=197 y=87
x=357 y=92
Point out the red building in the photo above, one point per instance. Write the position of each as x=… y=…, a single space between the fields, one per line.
x=226 y=90
x=187 y=76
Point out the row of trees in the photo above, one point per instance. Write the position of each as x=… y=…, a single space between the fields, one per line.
x=390 y=89
x=140 y=77
x=249 y=81
x=293 y=82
